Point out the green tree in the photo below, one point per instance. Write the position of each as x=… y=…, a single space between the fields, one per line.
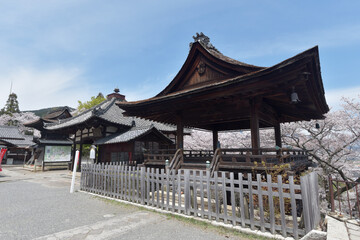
x=89 y=104
x=11 y=106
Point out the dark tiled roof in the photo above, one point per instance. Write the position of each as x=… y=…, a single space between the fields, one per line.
x=51 y=117
x=107 y=111
x=132 y=134
x=26 y=142
x=12 y=135
x=10 y=132
x=56 y=113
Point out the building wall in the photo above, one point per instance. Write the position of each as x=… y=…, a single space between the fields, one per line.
x=115 y=152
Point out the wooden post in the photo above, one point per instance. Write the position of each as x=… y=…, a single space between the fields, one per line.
x=278 y=135
x=254 y=126
x=215 y=139
x=331 y=192
x=180 y=133
x=99 y=154
x=80 y=156
x=73 y=153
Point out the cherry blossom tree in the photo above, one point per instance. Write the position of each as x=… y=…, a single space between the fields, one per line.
x=333 y=142
x=200 y=139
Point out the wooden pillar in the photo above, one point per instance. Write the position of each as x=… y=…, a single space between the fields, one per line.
x=80 y=150
x=99 y=154
x=180 y=133
x=254 y=126
x=73 y=153
x=277 y=135
x=215 y=139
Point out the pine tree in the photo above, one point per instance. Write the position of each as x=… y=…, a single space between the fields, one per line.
x=11 y=106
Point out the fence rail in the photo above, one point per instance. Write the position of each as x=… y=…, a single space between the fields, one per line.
x=251 y=201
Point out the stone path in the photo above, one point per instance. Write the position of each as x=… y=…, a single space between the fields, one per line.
x=353 y=230
x=342 y=230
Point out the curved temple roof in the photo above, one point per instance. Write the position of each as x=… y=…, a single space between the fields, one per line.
x=212 y=91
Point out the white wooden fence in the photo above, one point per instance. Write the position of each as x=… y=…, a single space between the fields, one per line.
x=245 y=200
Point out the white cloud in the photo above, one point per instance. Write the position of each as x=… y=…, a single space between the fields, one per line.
x=333 y=96
x=40 y=88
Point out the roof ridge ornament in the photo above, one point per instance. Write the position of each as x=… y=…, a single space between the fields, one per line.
x=204 y=41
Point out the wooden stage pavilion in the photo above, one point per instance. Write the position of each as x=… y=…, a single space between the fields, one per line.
x=217 y=93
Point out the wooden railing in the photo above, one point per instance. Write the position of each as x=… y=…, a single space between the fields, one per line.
x=159 y=157
x=177 y=160
x=235 y=158
x=242 y=158
x=198 y=153
x=214 y=166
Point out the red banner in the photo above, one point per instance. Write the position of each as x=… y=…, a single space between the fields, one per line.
x=2 y=154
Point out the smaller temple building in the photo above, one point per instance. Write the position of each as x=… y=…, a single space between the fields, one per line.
x=118 y=138
x=19 y=146
x=51 y=148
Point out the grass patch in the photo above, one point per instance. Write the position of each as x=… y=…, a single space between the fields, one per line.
x=191 y=221
x=219 y=229
x=117 y=203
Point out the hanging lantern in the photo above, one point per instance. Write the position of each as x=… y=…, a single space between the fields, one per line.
x=294 y=97
x=317 y=125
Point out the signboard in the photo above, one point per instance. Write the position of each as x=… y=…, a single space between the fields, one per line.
x=57 y=154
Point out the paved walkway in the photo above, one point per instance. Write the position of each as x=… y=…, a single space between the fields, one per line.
x=39 y=206
x=342 y=230
x=353 y=231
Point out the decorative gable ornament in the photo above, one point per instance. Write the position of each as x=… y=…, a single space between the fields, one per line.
x=201 y=68
x=204 y=40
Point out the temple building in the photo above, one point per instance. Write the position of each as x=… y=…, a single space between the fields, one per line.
x=19 y=146
x=51 y=147
x=117 y=137
x=217 y=93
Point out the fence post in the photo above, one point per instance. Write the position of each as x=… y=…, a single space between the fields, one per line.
x=305 y=201
x=282 y=207
x=261 y=204
x=331 y=193
x=187 y=196
x=271 y=204
x=142 y=185
x=314 y=200
x=293 y=206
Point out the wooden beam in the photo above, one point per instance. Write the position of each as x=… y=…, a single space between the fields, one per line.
x=254 y=125
x=215 y=139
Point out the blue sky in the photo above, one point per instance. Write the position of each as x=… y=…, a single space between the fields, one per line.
x=59 y=51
